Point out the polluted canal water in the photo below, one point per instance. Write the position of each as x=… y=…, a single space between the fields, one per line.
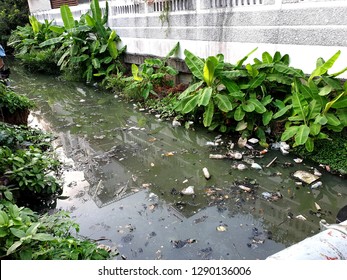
x=158 y=191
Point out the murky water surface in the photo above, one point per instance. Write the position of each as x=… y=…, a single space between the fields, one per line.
x=135 y=166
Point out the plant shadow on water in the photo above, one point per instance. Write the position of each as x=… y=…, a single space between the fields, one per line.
x=136 y=165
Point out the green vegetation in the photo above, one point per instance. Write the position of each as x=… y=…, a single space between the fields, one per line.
x=13 y=13
x=11 y=101
x=83 y=49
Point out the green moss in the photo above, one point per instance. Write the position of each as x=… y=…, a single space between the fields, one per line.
x=331 y=152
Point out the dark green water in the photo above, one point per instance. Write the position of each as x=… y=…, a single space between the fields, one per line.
x=135 y=164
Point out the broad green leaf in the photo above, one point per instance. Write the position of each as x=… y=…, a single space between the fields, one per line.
x=135 y=72
x=279 y=104
x=205 y=96
x=209 y=69
x=223 y=103
x=81 y=58
x=14 y=247
x=253 y=72
x=282 y=111
x=334 y=83
x=96 y=11
x=242 y=125
x=96 y=63
x=315 y=128
x=282 y=79
x=332 y=119
x=302 y=135
x=342 y=114
x=35 y=24
x=314 y=109
x=208 y=114
x=234 y=74
x=230 y=85
x=322 y=69
x=340 y=102
x=267 y=117
x=173 y=51
x=195 y=64
x=267 y=58
x=321 y=119
x=325 y=90
x=309 y=145
x=17 y=232
x=257 y=81
x=299 y=104
x=285 y=59
x=284 y=69
x=50 y=42
x=289 y=133
x=248 y=107
x=105 y=17
x=67 y=17
x=260 y=133
x=240 y=62
x=90 y=21
x=32 y=229
x=111 y=45
x=57 y=29
x=43 y=237
x=277 y=56
x=266 y=100
x=190 y=89
x=153 y=62
x=239 y=114
x=259 y=107
x=191 y=104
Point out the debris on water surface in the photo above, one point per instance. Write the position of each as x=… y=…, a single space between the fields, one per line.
x=200 y=220
x=188 y=191
x=244 y=188
x=271 y=162
x=258 y=237
x=272 y=196
x=317 y=173
x=100 y=137
x=127 y=238
x=212 y=144
x=152 y=197
x=316 y=185
x=205 y=253
x=241 y=166
x=256 y=166
x=298 y=160
x=317 y=206
x=206 y=173
x=305 y=176
x=242 y=142
x=300 y=217
x=253 y=140
x=181 y=243
x=176 y=123
x=214 y=156
x=222 y=228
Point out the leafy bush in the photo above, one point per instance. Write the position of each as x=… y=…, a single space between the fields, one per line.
x=13 y=101
x=154 y=72
x=25 y=235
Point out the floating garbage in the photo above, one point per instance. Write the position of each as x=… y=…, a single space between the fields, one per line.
x=317 y=173
x=256 y=166
x=253 y=141
x=181 y=243
x=301 y=217
x=242 y=142
x=272 y=196
x=241 y=166
x=206 y=173
x=305 y=176
x=212 y=144
x=246 y=189
x=298 y=160
x=213 y=156
x=188 y=191
x=316 y=185
x=176 y=123
x=317 y=206
x=282 y=146
x=235 y=155
x=222 y=228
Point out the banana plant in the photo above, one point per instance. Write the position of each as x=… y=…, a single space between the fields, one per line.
x=317 y=103
x=153 y=72
x=208 y=92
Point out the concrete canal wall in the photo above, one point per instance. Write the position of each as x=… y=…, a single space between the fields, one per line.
x=304 y=29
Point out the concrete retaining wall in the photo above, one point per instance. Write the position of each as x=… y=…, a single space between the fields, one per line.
x=305 y=29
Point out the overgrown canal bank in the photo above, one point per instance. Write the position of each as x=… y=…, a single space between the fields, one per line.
x=136 y=166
